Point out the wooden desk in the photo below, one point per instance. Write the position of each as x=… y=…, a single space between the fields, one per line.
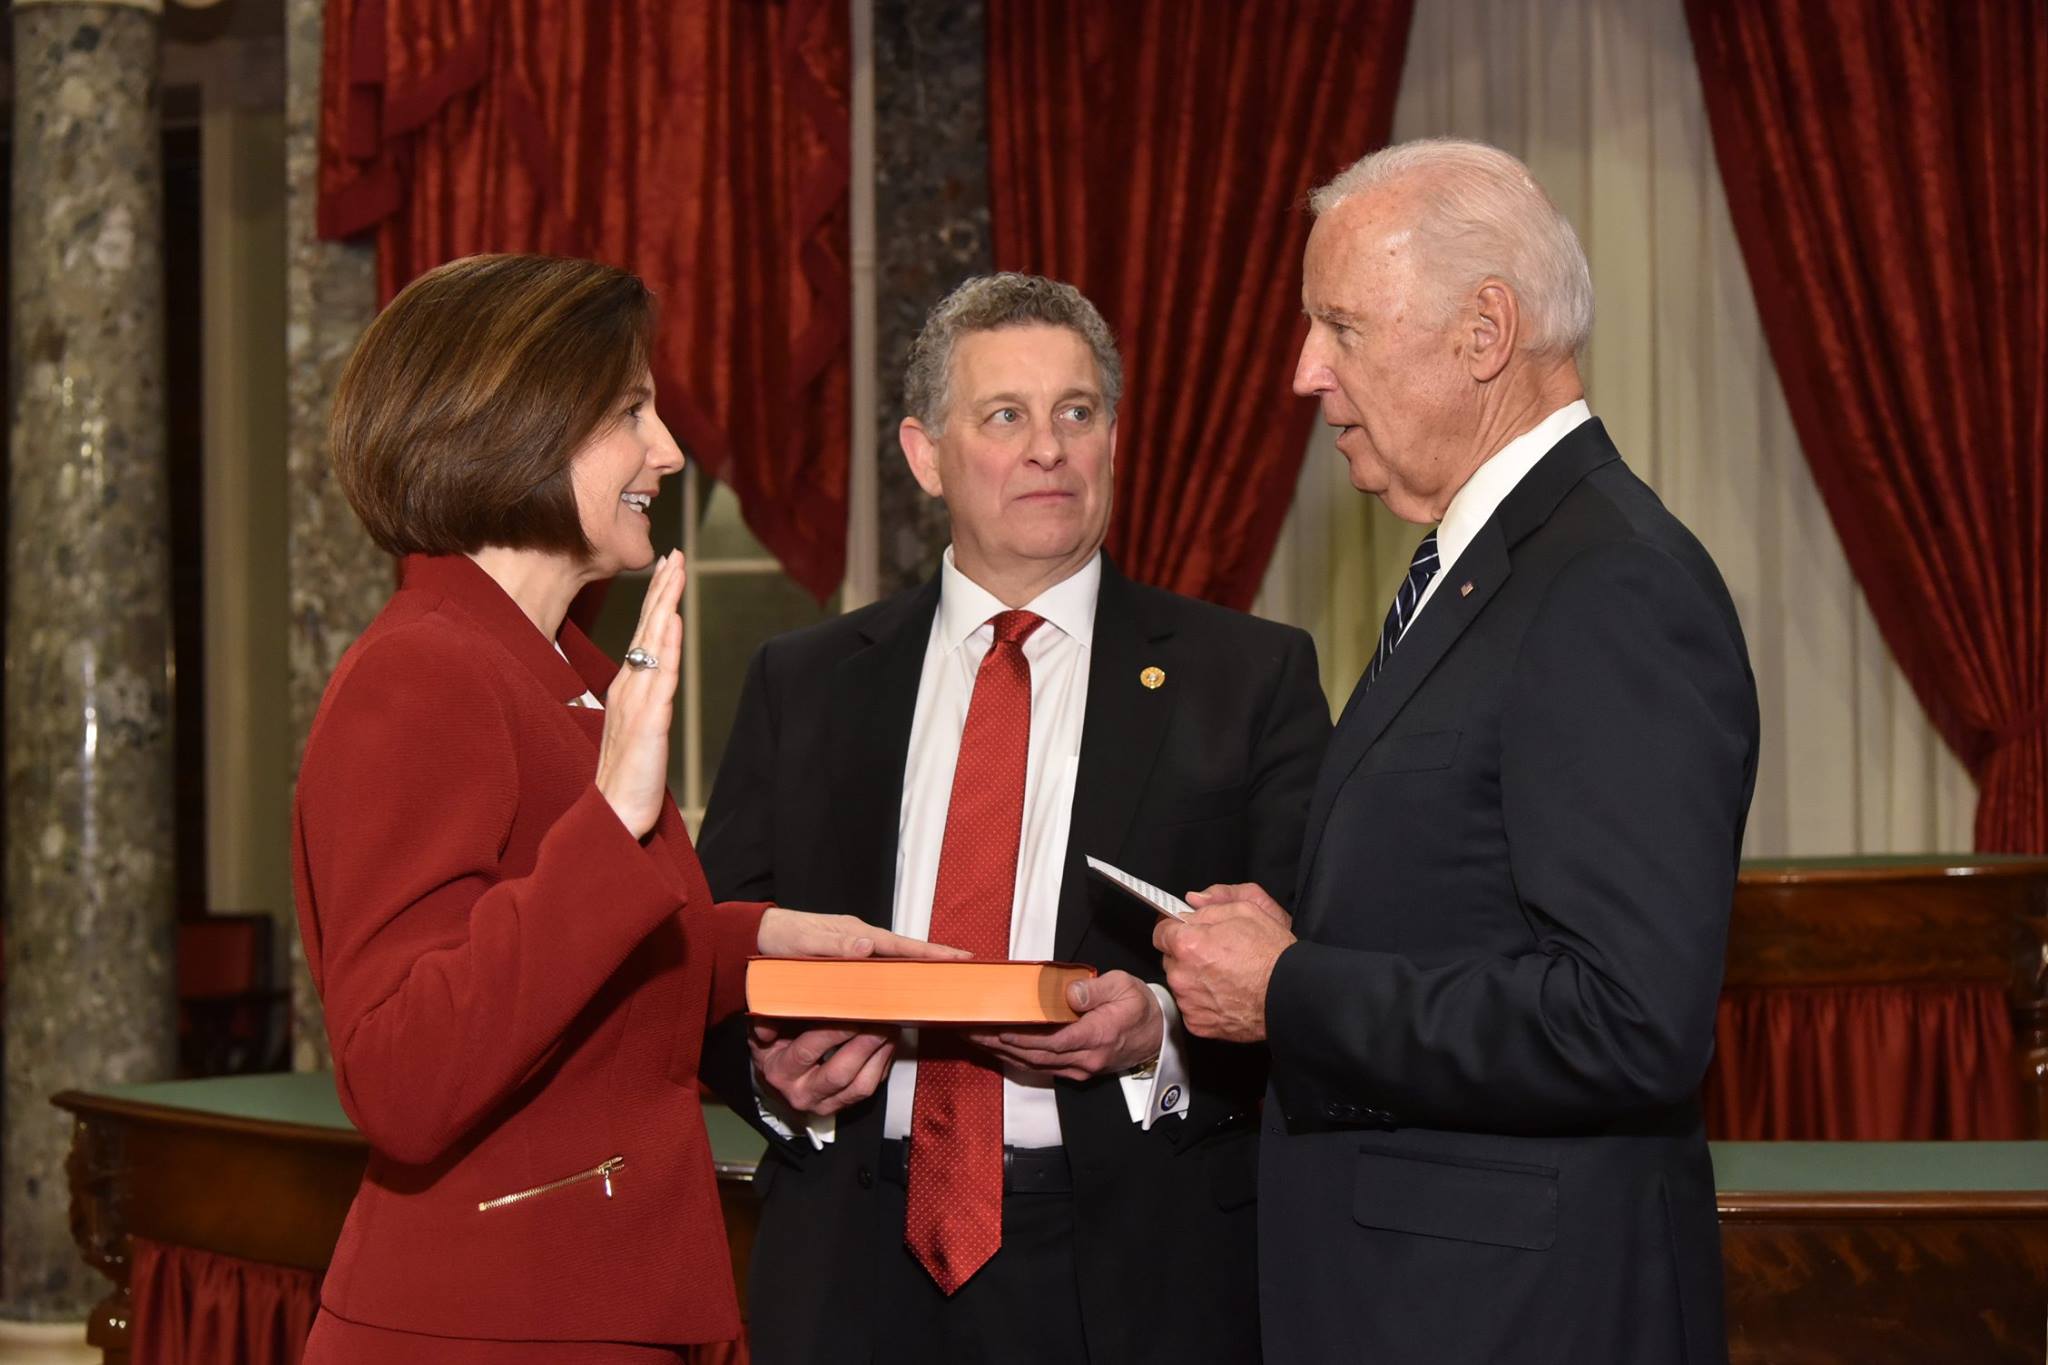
x=1876 y=1252
x=1913 y=920
x=258 y=1167
x=1866 y=1252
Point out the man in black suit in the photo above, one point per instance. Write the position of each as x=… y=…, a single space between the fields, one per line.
x=1171 y=737
x=1496 y=1001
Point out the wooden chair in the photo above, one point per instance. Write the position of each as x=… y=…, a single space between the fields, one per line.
x=232 y=1015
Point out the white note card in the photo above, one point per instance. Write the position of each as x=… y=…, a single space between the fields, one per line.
x=1165 y=902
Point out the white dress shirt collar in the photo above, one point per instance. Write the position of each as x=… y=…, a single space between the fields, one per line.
x=965 y=606
x=1060 y=664
x=1474 y=505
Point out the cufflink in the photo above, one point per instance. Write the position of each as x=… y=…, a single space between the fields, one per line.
x=1169 y=1099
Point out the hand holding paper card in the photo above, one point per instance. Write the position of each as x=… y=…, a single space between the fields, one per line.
x=1165 y=902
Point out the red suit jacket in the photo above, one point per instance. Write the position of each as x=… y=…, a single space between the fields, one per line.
x=516 y=989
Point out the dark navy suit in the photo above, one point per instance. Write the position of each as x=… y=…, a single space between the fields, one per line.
x=1481 y=1142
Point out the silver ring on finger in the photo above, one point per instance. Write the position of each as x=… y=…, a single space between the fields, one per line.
x=637 y=657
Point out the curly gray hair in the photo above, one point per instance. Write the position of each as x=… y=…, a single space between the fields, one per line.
x=985 y=303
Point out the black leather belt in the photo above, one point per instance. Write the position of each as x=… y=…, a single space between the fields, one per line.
x=1026 y=1170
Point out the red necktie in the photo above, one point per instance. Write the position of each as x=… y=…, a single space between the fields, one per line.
x=954 y=1222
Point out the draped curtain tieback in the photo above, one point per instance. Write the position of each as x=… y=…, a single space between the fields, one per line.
x=2027 y=726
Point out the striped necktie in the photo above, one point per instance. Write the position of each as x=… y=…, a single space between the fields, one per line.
x=1421 y=569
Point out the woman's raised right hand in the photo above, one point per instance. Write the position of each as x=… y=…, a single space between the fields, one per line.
x=632 y=756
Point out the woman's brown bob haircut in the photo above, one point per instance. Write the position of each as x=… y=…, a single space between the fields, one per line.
x=466 y=400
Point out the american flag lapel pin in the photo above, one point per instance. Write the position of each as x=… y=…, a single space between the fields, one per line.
x=1465 y=588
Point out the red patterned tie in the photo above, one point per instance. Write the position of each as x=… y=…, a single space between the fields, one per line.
x=955 y=1218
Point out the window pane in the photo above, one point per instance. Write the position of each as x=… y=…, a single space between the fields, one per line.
x=740 y=611
x=666 y=513
x=721 y=533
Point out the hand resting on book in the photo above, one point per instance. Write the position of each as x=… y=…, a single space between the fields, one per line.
x=822 y=1068
x=798 y=933
x=1120 y=1028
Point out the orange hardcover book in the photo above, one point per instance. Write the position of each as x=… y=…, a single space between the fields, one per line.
x=898 y=990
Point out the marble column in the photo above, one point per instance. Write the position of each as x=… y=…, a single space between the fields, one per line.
x=338 y=578
x=88 y=729
x=931 y=228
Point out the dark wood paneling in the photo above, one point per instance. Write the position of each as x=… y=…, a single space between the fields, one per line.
x=1938 y=922
x=1875 y=1286
x=1893 y=923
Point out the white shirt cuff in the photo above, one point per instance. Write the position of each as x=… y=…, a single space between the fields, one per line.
x=785 y=1122
x=1165 y=1091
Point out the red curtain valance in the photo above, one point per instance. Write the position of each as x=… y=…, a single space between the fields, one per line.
x=701 y=145
x=1892 y=1063
x=198 y=1308
x=1156 y=154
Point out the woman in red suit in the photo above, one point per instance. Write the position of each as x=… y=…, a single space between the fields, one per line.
x=516 y=950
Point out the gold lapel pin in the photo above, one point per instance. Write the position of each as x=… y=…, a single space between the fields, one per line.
x=1466 y=589
x=1152 y=677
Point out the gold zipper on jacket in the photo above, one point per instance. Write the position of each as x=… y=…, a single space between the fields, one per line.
x=602 y=1171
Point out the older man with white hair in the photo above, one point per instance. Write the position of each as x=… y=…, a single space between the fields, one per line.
x=1489 y=1017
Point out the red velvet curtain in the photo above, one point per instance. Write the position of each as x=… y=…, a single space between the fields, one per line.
x=197 y=1308
x=1157 y=153
x=1864 y=1062
x=1886 y=163
x=699 y=143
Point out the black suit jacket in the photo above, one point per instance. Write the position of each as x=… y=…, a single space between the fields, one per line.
x=1482 y=1141
x=1204 y=779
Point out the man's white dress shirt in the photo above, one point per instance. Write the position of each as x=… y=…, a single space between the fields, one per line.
x=1059 y=653
x=1474 y=505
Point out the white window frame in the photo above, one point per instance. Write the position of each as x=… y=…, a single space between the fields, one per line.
x=703 y=571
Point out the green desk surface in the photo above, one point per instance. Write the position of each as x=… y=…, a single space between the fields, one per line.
x=1878 y=861
x=307 y=1098
x=1879 y=1167
x=735 y=1147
